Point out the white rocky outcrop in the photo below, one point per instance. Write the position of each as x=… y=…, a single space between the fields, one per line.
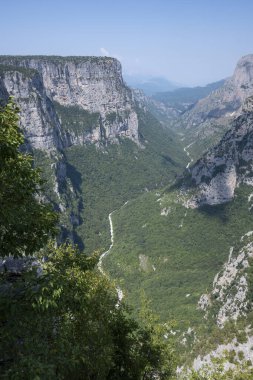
x=242 y=353
x=230 y=286
x=220 y=189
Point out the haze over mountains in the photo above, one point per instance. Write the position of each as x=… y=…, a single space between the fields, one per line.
x=150 y=84
x=173 y=171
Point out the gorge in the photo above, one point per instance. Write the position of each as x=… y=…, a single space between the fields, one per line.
x=163 y=195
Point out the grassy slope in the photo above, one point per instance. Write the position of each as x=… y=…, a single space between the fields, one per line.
x=109 y=176
x=185 y=258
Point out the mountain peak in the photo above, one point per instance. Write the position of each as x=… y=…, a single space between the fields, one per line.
x=243 y=74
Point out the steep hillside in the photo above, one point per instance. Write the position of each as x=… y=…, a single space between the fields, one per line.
x=210 y=118
x=228 y=164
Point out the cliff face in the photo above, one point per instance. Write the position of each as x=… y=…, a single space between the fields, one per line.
x=91 y=84
x=37 y=114
x=228 y=164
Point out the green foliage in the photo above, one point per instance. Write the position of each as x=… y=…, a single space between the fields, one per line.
x=68 y=325
x=75 y=119
x=161 y=359
x=184 y=250
x=26 y=72
x=25 y=222
x=54 y=59
x=111 y=117
x=64 y=319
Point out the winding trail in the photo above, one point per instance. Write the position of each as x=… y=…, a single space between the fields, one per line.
x=188 y=154
x=104 y=254
x=120 y=293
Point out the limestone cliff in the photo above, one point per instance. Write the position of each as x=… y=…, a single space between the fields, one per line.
x=38 y=118
x=93 y=84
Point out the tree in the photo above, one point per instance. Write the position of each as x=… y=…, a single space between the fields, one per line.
x=69 y=326
x=25 y=223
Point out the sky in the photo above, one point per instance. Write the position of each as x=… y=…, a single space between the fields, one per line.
x=190 y=42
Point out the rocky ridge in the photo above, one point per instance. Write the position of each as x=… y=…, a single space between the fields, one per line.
x=218 y=173
x=212 y=114
x=230 y=292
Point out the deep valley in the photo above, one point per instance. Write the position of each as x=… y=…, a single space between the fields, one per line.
x=160 y=186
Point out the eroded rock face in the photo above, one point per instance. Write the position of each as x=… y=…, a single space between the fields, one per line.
x=94 y=84
x=230 y=289
x=227 y=165
x=38 y=118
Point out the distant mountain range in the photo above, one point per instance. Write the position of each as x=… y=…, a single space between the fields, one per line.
x=150 y=85
x=210 y=117
x=184 y=96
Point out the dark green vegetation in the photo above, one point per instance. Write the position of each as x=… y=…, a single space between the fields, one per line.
x=174 y=258
x=75 y=119
x=58 y=317
x=112 y=174
x=186 y=95
x=64 y=324
x=11 y=69
x=25 y=224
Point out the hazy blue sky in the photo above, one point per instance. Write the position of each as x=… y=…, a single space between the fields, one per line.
x=187 y=41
